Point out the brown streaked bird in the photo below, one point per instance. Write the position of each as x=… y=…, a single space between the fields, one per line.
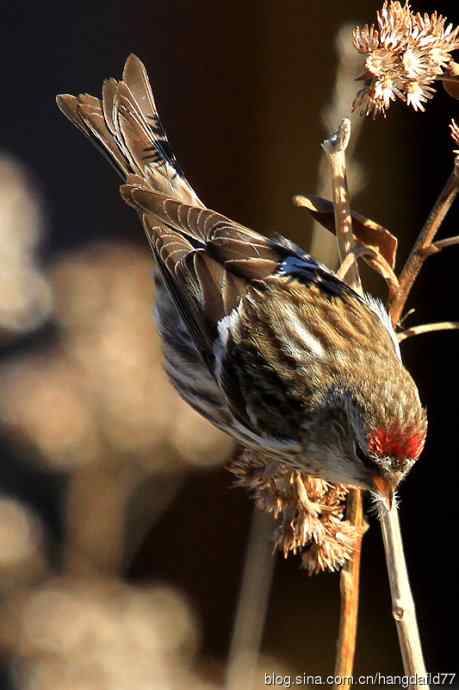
x=259 y=337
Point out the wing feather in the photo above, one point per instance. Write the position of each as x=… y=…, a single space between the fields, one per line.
x=207 y=261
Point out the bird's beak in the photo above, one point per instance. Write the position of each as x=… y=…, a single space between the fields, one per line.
x=385 y=488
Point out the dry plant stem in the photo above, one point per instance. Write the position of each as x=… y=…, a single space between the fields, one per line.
x=348 y=64
x=428 y=328
x=421 y=249
x=402 y=600
x=335 y=148
x=442 y=244
x=350 y=260
x=373 y=259
x=403 y=609
x=252 y=605
x=349 y=590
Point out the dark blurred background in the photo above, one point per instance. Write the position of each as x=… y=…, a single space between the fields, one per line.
x=113 y=494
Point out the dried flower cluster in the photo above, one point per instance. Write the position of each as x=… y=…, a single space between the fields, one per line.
x=310 y=511
x=405 y=54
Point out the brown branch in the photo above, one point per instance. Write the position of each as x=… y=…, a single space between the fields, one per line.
x=403 y=609
x=421 y=249
x=437 y=247
x=350 y=259
x=442 y=244
x=335 y=148
x=378 y=263
x=428 y=328
x=402 y=600
x=349 y=590
x=375 y=260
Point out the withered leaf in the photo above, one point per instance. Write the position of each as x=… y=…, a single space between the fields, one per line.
x=451 y=87
x=366 y=231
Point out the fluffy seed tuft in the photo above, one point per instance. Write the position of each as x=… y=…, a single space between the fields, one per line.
x=309 y=511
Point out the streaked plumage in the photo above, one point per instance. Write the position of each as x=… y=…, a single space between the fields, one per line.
x=258 y=336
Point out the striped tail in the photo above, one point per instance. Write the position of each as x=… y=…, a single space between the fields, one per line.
x=125 y=126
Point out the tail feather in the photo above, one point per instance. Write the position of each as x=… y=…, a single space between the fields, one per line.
x=126 y=127
x=136 y=77
x=109 y=89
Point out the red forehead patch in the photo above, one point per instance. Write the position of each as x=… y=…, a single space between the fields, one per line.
x=396 y=444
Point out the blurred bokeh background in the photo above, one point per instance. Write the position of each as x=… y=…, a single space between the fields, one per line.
x=122 y=541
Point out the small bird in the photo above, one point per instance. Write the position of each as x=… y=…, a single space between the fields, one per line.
x=258 y=337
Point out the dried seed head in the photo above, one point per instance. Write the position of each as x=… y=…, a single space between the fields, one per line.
x=310 y=511
x=405 y=54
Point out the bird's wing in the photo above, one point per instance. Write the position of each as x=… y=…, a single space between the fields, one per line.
x=208 y=261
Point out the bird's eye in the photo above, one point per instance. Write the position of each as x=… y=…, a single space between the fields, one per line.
x=365 y=459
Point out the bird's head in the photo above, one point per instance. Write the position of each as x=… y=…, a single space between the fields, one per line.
x=388 y=455
x=368 y=437
x=389 y=428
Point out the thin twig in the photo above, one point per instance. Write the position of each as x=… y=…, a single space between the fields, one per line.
x=349 y=590
x=252 y=605
x=374 y=259
x=421 y=247
x=378 y=263
x=442 y=244
x=335 y=148
x=349 y=261
x=357 y=253
x=403 y=609
x=348 y=64
x=428 y=328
